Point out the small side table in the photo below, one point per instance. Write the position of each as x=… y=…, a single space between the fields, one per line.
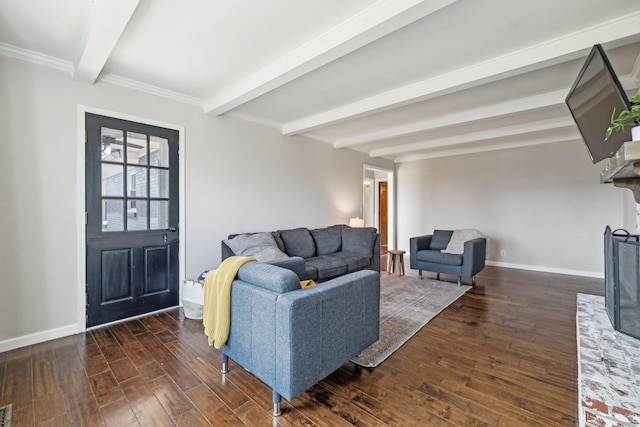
x=396 y=256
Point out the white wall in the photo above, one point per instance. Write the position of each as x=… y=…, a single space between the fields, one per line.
x=239 y=177
x=544 y=205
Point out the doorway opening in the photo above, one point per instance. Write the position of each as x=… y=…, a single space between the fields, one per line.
x=379 y=206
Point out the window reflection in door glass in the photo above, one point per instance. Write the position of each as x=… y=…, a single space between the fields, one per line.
x=137 y=149
x=159 y=214
x=159 y=151
x=111 y=145
x=137 y=215
x=112 y=215
x=112 y=184
x=159 y=183
x=136 y=181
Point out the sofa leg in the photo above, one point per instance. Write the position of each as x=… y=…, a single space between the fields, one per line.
x=420 y=273
x=277 y=410
x=225 y=364
x=473 y=281
x=437 y=276
x=459 y=280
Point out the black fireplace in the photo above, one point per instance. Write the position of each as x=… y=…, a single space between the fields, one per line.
x=622 y=280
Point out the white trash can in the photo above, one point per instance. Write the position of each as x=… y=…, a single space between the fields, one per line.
x=192 y=299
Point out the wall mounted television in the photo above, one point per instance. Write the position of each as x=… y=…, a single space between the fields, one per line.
x=591 y=100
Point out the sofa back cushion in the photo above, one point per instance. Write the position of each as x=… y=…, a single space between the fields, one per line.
x=269 y=276
x=359 y=240
x=328 y=240
x=298 y=242
x=440 y=239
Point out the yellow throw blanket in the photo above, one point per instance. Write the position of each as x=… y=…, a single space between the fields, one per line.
x=216 y=311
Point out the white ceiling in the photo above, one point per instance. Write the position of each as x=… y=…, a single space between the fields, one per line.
x=399 y=79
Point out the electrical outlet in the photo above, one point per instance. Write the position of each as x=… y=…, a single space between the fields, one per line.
x=503 y=252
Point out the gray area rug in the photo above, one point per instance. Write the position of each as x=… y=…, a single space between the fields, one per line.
x=406 y=305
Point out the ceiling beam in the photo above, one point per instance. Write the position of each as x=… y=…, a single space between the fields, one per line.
x=107 y=21
x=544 y=100
x=484 y=148
x=374 y=22
x=551 y=52
x=503 y=132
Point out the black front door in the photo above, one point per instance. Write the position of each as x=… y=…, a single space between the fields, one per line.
x=132 y=218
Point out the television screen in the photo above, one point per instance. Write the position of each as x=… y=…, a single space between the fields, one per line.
x=591 y=100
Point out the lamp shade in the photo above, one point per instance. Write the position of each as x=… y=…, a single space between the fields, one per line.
x=356 y=222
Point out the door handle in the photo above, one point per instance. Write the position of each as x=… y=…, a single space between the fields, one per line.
x=171 y=229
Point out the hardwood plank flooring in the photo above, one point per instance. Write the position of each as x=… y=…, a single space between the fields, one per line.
x=504 y=354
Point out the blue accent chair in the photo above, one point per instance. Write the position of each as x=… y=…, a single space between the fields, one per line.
x=425 y=253
x=291 y=338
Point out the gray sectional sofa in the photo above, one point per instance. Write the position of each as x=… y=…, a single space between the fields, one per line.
x=291 y=337
x=318 y=254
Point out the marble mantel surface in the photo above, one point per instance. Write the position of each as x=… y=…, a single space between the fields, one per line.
x=608 y=368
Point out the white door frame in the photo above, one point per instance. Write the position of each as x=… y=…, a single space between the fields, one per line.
x=81 y=320
x=391 y=202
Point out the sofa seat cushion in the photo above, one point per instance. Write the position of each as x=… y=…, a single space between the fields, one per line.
x=298 y=242
x=439 y=257
x=354 y=262
x=310 y=272
x=440 y=239
x=328 y=240
x=328 y=267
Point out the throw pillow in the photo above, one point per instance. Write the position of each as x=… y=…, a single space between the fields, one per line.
x=440 y=239
x=261 y=246
x=456 y=244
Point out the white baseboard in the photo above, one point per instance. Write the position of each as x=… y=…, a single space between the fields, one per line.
x=595 y=274
x=38 y=337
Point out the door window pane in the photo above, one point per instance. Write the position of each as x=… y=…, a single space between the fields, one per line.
x=111 y=145
x=159 y=183
x=137 y=149
x=112 y=184
x=112 y=215
x=136 y=181
x=159 y=152
x=159 y=214
x=137 y=215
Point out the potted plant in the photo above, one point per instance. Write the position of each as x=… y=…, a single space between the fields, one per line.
x=626 y=117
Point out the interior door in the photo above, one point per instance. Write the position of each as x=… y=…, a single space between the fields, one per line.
x=132 y=218
x=383 y=212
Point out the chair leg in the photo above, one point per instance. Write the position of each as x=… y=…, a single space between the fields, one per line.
x=277 y=410
x=225 y=364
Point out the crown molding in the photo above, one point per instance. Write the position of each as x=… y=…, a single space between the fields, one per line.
x=36 y=58
x=151 y=90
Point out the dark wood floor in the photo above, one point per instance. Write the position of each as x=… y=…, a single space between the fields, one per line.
x=504 y=354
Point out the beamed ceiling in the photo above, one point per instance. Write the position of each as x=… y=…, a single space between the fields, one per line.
x=398 y=79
